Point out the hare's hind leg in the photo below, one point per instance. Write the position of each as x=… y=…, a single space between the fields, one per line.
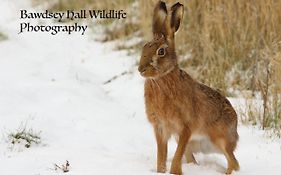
x=189 y=152
x=231 y=160
x=227 y=149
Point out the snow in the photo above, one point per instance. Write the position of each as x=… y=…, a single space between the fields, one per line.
x=55 y=84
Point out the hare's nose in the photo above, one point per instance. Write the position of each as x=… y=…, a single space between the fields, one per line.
x=141 y=69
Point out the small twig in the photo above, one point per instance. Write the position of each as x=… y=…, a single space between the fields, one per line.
x=117 y=76
x=64 y=168
x=264 y=90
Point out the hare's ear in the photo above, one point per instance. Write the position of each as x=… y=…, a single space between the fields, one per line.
x=159 y=18
x=176 y=16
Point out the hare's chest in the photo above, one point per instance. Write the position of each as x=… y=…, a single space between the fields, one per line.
x=163 y=112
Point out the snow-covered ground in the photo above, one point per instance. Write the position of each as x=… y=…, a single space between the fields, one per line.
x=55 y=85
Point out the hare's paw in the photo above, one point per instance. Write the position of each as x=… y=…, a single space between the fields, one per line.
x=233 y=167
x=161 y=169
x=176 y=169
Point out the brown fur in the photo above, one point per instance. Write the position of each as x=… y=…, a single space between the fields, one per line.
x=178 y=105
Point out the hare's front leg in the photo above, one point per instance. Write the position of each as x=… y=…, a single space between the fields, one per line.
x=162 y=146
x=183 y=140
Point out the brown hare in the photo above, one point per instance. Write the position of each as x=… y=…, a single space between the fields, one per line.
x=199 y=117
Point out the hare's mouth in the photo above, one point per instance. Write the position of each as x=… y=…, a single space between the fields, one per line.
x=145 y=73
x=149 y=73
x=142 y=71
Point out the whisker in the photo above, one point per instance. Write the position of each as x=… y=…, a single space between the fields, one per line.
x=156 y=83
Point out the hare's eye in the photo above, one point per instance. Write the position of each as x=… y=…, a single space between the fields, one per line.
x=161 y=52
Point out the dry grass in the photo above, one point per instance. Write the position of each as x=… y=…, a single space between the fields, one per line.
x=274 y=112
x=268 y=114
x=276 y=67
x=25 y=136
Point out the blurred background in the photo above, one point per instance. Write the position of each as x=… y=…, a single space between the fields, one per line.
x=233 y=46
